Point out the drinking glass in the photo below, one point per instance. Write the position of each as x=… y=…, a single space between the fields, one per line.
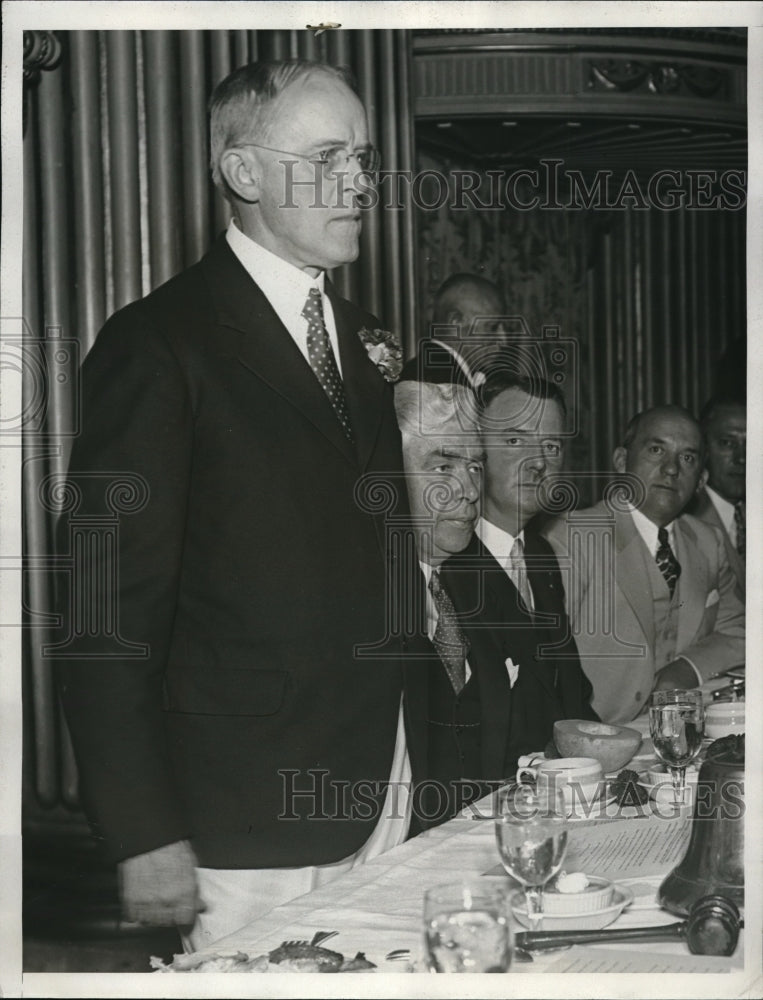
x=677 y=725
x=531 y=831
x=467 y=928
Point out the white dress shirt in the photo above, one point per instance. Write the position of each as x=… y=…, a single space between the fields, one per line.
x=649 y=532
x=499 y=544
x=286 y=288
x=725 y=511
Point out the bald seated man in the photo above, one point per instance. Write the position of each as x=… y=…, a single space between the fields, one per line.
x=650 y=592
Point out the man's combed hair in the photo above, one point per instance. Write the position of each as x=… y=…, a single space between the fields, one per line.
x=502 y=377
x=239 y=106
x=427 y=408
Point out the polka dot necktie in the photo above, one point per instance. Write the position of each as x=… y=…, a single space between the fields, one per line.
x=323 y=362
x=739 y=522
x=449 y=640
x=670 y=567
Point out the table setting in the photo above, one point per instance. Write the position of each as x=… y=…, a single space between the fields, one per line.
x=548 y=873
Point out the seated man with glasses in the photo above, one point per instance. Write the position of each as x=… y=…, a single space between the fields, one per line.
x=220 y=749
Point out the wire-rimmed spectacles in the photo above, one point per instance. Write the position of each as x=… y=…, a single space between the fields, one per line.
x=334 y=159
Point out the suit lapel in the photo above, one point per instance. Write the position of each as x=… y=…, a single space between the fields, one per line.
x=631 y=573
x=265 y=346
x=363 y=385
x=692 y=585
x=704 y=509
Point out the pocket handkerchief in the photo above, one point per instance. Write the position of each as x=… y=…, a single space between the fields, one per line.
x=513 y=669
x=712 y=598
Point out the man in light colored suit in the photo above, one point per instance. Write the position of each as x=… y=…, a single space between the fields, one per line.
x=650 y=592
x=722 y=502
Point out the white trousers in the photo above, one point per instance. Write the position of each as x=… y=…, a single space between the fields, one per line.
x=236 y=897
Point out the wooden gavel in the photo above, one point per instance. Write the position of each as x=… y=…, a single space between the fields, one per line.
x=711 y=928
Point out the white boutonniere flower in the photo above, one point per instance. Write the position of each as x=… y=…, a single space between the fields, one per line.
x=384 y=350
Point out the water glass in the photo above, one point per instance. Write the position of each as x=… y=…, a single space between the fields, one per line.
x=531 y=831
x=677 y=725
x=467 y=928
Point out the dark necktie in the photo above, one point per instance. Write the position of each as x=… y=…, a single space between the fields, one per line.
x=669 y=565
x=449 y=641
x=739 y=522
x=323 y=362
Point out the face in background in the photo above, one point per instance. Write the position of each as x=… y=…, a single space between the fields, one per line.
x=476 y=311
x=666 y=455
x=293 y=209
x=726 y=435
x=522 y=435
x=444 y=476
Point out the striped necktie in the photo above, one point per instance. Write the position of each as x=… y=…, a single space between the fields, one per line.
x=323 y=362
x=449 y=640
x=519 y=573
x=667 y=562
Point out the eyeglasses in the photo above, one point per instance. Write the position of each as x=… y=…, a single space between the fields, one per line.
x=333 y=160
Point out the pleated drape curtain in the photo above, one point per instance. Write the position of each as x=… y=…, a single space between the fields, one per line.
x=117 y=199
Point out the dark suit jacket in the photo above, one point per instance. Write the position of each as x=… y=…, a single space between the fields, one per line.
x=253 y=575
x=702 y=507
x=435 y=364
x=551 y=684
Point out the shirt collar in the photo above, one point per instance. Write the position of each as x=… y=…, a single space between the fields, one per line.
x=497 y=541
x=282 y=283
x=649 y=530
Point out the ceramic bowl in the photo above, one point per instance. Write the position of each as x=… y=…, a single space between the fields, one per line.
x=596 y=896
x=584 y=921
x=611 y=746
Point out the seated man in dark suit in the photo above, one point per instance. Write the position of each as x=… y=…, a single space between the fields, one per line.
x=722 y=501
x=522 y=422
x=491 y=695
x=467 y=330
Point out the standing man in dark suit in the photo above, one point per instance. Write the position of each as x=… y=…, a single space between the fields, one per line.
x=252 y=579
x=722 y=501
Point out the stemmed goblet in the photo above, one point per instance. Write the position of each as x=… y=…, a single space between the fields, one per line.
x=677 y=725
x=531 y=831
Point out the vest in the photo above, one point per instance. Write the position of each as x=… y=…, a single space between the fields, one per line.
x=454 y=747
x=665 y=615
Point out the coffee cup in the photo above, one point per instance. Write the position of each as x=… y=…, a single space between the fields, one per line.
x=574 y=776
x=724 y=718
